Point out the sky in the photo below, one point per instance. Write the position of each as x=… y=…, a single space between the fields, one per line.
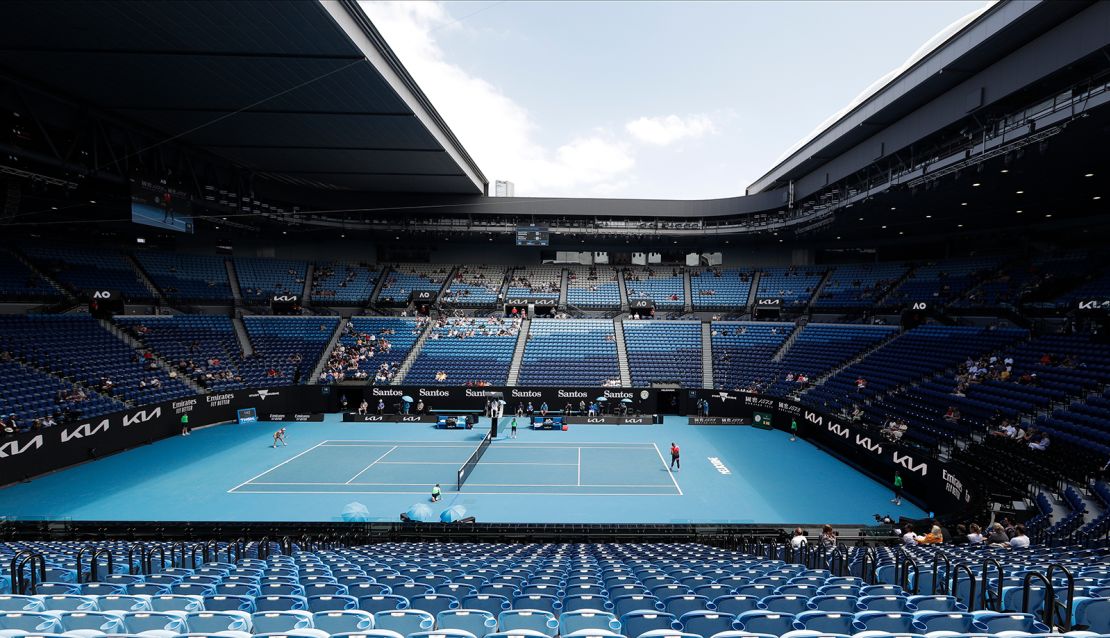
x=659 y=100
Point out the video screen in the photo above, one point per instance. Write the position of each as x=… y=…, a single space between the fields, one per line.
x=161 y=208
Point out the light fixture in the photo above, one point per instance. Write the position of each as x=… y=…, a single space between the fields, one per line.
x=901 y=232
x=1019 y=211
x=928 y=217
x=959 y=225
x=893 y=208
x=976 y=184
x=1089 y=175
x=283 y=232
x=963 y=203
x=1020 y=192
x=1048 y=214
x=861 y=219
x=1097 y=197
x=838 y=237
x=884 y=225
x=1005 y=170
x=92 y=201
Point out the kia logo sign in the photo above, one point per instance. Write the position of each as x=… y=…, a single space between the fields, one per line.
x=768 y=302
x=906 y=461
x=1093 y=304
x=83 y=430
x=285 y=298
x=142 y=416
x=12 y=448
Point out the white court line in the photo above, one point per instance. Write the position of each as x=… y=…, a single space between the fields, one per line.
x=456 y=463
x=481 y=484
x=500 y=442
x=469 y=493
x=387 y=453
x=273 y=468
x=579 y=466
x=664 y=462
x=510 y=446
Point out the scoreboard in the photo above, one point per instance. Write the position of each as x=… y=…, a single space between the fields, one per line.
x=531 y=236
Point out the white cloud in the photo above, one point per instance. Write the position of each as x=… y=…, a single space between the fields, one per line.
x=668 y=129
x=494 y=129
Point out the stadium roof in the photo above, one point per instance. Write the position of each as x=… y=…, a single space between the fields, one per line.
x=305 y=93
x=958 y=52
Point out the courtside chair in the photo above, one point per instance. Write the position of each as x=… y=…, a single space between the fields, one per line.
x=956 y=622
x=679 y=605
x=737 y=604
x=572 y=621
x=103 y=589
x=936 y=602
x=706 y=623
x=278 y=621
x=359 y=590
x=527 y=633
x=480 y=623
x=346 y=621
x=833 y=622
x=843 y=604
x=785 y=604
x=222 y=602
x=531 y=619
x=332 y=603
x=281 y=603
x=885 y=603
x=66 y=602
x=14 y=602
x=155 y=624
x=404 y=621
x=1003 y=621
x=492 y=603
x=765 y=622
x=369 y=633
x=382 y=602
x=219 y=622
x=638 y=622
x=90 y=624
x=595 y=602
x=433 y=603
x=30 y=622
x=410 y=589
x=667 y=633
x=892 y=622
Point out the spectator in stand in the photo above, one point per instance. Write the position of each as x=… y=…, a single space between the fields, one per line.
x=952 y=415
x=1040 y=444
x=861 y=384
x=909 y=539
x=998 y=536
x=974 y=535
x=828 y=538
x=798 y=539
x=1020 y=540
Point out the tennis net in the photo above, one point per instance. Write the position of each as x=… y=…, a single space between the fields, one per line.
x=468 y=467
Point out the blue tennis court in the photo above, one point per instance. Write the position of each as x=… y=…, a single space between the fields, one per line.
x=589 y=474
x=410 y=467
